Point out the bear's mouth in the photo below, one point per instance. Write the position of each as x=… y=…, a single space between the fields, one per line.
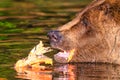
x=56 y=42
x=64 y=56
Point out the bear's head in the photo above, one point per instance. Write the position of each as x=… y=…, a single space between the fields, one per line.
x=93 y=34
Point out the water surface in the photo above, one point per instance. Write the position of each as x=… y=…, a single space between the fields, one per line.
x=76 y=71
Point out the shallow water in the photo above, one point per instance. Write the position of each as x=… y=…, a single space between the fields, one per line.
x=23 y=23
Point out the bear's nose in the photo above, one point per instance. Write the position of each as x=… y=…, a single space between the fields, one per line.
x=54 y=35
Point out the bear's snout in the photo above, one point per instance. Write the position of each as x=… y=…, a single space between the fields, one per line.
x=54 y=36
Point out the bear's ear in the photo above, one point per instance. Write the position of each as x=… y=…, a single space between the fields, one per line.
x=113 y=1
x=114 y=9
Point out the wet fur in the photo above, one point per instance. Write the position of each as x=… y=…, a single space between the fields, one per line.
x=94 y=33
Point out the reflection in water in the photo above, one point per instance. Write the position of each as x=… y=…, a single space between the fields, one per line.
x=64 y=72
x=79 y=71
x=35 y=74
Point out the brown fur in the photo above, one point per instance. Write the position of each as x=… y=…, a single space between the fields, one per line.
x=94 y=33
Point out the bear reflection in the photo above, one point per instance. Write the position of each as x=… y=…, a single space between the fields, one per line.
x=86 y=71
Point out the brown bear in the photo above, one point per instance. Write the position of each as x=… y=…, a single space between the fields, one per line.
x=93 y=35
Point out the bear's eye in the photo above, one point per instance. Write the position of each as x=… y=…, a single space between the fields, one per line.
x=85 y=22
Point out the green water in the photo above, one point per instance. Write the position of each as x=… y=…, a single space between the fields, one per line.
x=24 y=22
